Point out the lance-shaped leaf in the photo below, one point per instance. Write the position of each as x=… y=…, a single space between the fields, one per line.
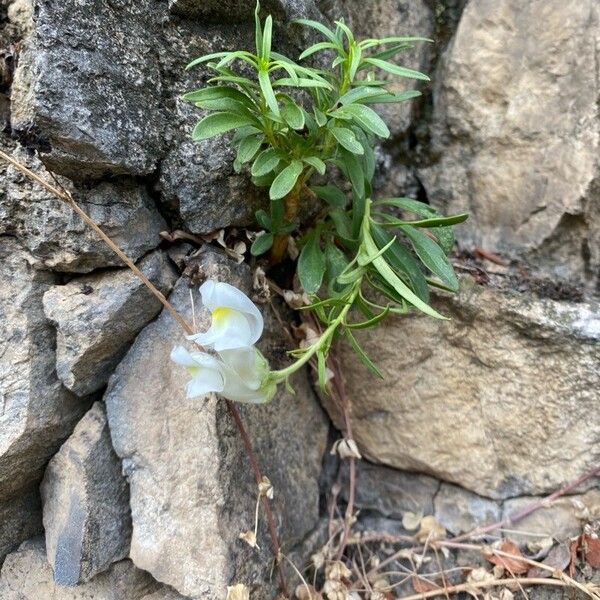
x=347 y=139
x=366 y=117
x=311 y=263
x=396 y=69
x=267 y=91
x=286 y=180
x=218 y=123
x=265 y=162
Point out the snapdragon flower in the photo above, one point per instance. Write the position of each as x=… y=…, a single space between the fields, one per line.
x=235 y=320
x=240 y=374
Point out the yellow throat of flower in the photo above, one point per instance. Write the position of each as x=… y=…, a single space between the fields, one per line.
x=220 y=314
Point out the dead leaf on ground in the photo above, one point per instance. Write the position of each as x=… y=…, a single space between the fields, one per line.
x=479 y=575
x=411 y=520
x=238 y=592
x=430 y=530
x=421 y=585
x=558 y=558
x=513 y=564
x=591 y=550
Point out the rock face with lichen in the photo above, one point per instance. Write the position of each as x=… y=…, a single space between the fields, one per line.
x=144 y=495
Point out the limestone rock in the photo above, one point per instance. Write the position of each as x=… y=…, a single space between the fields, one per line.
x=86 y=503
x=191 y=491
x=98 y=316
x=241 y=10
x=500 y=399
x=87 y=91
x=459 y=510
x=561 y=519
x=512 y=145
x=57 y=238
x=26 y=575
x=391 y=492
x=38 y=413
x=20 y=518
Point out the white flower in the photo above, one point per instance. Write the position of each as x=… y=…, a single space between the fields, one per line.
x=236 y=322
x=240 y=374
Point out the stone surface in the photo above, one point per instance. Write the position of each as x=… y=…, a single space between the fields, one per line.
x=36 y=412
x=241 y=10
x=57 y=238
x=391 y=492
x=20 y=518
x=98 y=316
x=562 y=519
x=459 y=510
x=511 y=143
x=87 y=519
x=26 y=575
x=191 y=490
x=501 y=399
x=87 y=91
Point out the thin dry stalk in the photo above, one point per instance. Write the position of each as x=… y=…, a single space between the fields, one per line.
x=65 y=196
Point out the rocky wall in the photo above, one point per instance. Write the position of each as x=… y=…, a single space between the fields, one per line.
x=112 y=484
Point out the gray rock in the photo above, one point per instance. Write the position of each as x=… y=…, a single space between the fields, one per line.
x=87 y=519
x=511 y=144
x=37 y=413
x=98 y=316
x=459 y=510
x=391 y=492
x=241 y=10
x=20 y=518
x=561 y=519
x=26 y=575
x=57 y=238
x=190 y=500
x=87 y=90
x=501 y=399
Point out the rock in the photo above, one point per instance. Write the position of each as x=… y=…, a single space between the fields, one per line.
x=111 y=126
x=98 y=316
x=26 y=575
x=86 y=503
x=511 y=144
x=459 y=510
x=386 y=18
x=191 y=500
x=241 y=10
x=57 y=238
x=501 y=399
x=391 y=492
x=20 y=518
x=561 y=519
x=38 y=413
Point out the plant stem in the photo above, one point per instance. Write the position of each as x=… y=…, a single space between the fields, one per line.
x=64 y=195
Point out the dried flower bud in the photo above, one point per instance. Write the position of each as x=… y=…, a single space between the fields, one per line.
x=335 y=590
x=318 y=560
x=237 y=592
x=307 y=592
x=337 y=571
x=411 y=520
x=430 y=530
x=250 y=538
x=346 y=448
x=265 y=488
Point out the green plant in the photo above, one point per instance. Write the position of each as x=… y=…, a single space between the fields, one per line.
x=297 y=123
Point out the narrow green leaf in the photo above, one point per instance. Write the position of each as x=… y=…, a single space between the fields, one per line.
x=432 y=255
x=302 y=82
x=218 y=123
x=331 y=194
x=267 y=90
x=360 y=93
x=397 y=69
x=365 y=258
x=370 y=322
x=346 y=30
x=316 y=48
x=392 y=98
x=285 y=181
x=311 y=264
x=248 y=147
x=321 y=28
x=206 y=58
x=265 y=162
x=366 y=117
x=320 y=117
x=216 y=92
x=402 y=261
x=263 y=218
x=293 y=115
x=355 y=56
x=321 y=370
x=261 y=244
x=335 y=262
x=258 y=36
x=347 y=139
x=396 y=283
x=266 y=40
x=316 y=163
x=362 y=354
x=350 y=165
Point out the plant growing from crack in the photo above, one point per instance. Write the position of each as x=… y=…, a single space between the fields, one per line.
x=297 y=125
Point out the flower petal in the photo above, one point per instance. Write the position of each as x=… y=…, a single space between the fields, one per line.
x=181 y=356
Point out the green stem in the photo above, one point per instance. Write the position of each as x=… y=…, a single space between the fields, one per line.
x=283 y=374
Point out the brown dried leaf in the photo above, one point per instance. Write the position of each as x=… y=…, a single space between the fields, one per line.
x=250 y=538
x=430 y=530
x=514 y=565
x=238 y=592
x=591 y=550
x=421 y=585
x=346 y=448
